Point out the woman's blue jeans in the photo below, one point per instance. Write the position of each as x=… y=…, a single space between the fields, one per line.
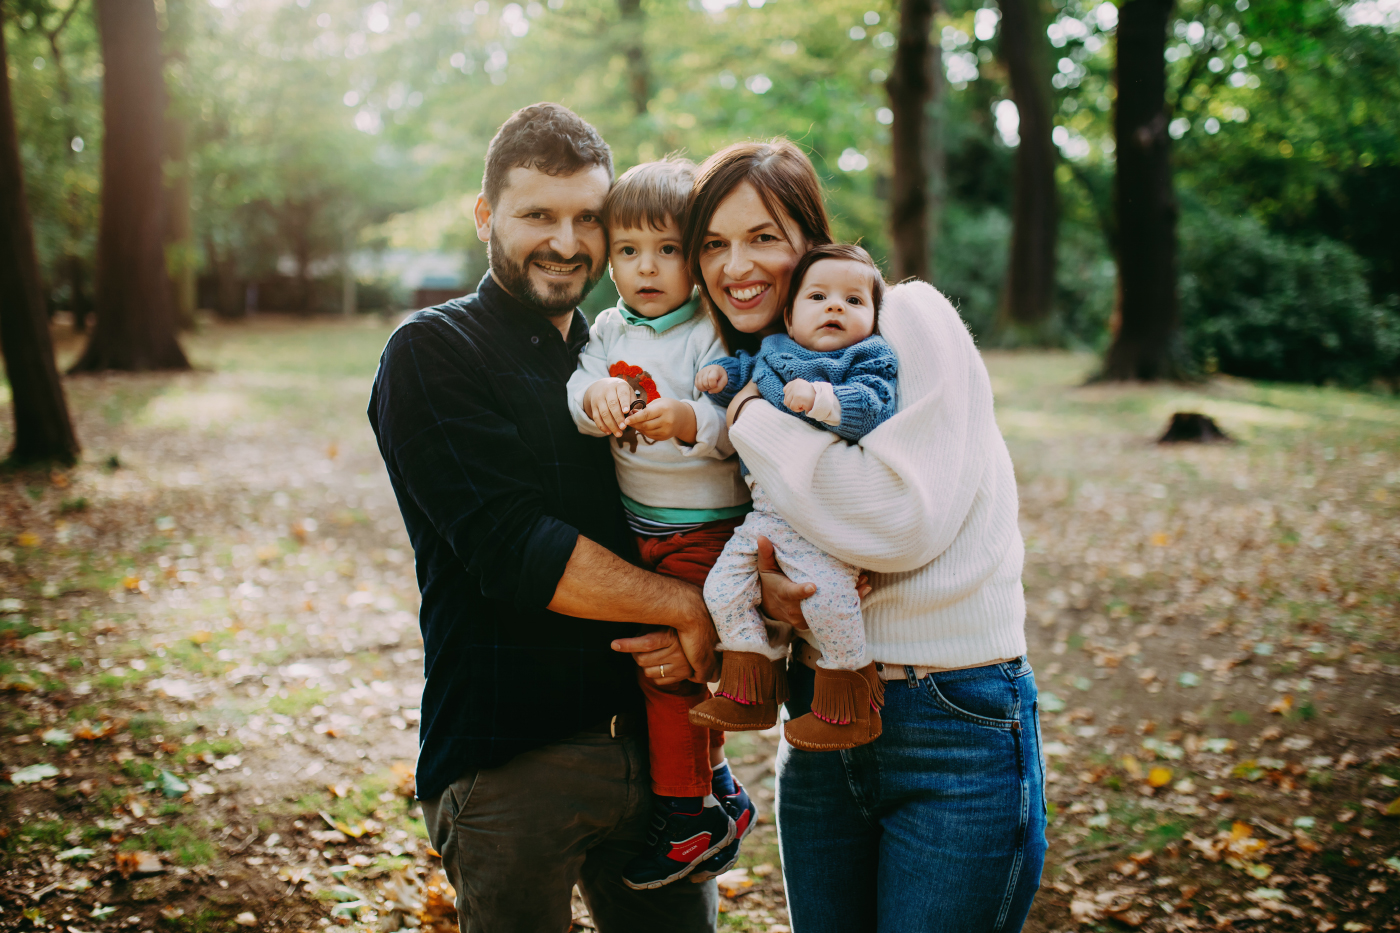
x=938 y=825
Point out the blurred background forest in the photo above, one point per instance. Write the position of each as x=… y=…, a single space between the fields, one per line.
x=315 y=144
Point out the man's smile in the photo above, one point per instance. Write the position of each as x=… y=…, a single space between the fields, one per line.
x=555 y=269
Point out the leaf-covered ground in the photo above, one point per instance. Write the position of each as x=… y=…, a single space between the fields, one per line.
x=210 y=667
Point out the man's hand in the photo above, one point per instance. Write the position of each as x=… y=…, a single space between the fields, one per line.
x=663 y=419
x=748 y=391
x=606 y=402
x=782 y=599
x=660 y=656
x=799 y=395
x=712 y=378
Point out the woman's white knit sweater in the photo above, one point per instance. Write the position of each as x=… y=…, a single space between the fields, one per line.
x=926 y=502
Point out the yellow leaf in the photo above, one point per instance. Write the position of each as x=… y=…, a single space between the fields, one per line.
x=28 y=539
x=133 y=584
x=1159 y=776
x=1394 y=808
x=1240 y=831
x=1282 y=705
x=201 y=637
x=1132 y=767
x=1161 y=539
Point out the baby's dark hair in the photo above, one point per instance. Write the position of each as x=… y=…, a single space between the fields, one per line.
x=835 y=251
x=651 y=194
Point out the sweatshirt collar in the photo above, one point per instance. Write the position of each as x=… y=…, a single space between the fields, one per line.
x=664 y=323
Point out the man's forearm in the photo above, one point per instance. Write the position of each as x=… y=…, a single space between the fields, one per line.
x=597 y=584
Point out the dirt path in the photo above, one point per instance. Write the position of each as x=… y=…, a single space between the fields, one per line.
x=221 y=599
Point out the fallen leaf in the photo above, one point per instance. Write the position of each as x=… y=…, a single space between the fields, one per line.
x=138 y=863
x=1159 y=777
x=33 y=774
x=1282 y=705
x=246 y=919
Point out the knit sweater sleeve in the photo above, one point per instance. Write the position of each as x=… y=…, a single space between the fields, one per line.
x=592 y=366
x=868 y=393
x=739 y=368
x=711 y=433
x=897 y=499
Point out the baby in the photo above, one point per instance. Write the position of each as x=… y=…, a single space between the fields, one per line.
x=831 y=371
x=681 y=494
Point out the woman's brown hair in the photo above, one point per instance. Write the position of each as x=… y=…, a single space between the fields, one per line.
x=784 y=178
x=837 y=251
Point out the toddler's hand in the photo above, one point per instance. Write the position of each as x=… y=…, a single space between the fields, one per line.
x=606 y=402
x=712 y=378
x=665 y=418
x=799 y=395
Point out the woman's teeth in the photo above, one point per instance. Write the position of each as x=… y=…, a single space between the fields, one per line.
x=746 y=294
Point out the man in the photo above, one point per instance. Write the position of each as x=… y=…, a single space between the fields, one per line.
x=532 y=766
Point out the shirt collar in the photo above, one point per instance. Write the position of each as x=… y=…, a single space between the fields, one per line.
x=498 y=299
x=664 y=323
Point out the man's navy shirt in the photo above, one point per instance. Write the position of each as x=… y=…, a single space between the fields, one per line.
x=495 y=484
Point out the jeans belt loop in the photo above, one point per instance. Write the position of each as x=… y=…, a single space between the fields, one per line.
x=911 y=676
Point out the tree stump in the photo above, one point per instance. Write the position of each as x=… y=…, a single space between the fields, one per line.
x=1192 y=427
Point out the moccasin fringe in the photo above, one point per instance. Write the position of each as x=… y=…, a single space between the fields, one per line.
x=836 y=698
x=746 y=678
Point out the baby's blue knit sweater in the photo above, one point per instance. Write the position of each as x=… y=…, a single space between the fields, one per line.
x=862 y=376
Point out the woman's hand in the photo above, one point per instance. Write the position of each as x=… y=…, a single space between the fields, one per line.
x=782 y=599
x=663 y=419
x=748 y=391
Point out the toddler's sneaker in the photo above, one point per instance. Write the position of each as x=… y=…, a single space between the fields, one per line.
x=742 y=810
x=680 y=840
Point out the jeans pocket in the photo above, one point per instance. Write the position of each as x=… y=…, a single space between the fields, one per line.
x=983 y=699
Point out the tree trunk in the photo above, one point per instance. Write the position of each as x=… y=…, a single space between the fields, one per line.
x=135 y=308
x=634 y=49
x=910 y=87
x=1030 y=271
x=43 y=429
x=181 y=254
x=1145 y=345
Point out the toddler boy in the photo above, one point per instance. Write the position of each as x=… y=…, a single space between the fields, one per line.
x=681 y=491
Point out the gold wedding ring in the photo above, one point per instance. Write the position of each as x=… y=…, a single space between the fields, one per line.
x=663 y=670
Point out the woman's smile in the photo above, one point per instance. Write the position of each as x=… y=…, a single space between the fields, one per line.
x=747 y=295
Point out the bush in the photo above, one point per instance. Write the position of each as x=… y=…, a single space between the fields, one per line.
x=1263 y=306
x=969 y=263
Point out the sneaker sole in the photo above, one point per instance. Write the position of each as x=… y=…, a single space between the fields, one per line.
x=662 y=882
x=701 y=876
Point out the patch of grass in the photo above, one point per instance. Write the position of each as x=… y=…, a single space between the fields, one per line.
x=1240 y=718
x=1164 y=833
x=184 y=846
x=45 y=833
x=207 y=920
x=297 y=702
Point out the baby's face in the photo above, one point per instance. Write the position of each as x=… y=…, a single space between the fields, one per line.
x=833 y=307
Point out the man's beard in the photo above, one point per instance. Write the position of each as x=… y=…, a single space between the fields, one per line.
x=515 y=278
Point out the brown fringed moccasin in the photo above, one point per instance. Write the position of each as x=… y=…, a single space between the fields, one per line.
x=751 y=686
x=845 y=711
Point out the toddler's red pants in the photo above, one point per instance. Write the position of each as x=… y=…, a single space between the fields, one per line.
x=680 y=752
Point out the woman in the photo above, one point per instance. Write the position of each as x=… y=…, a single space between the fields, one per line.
x=940 y=823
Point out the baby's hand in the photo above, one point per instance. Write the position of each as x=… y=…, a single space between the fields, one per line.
x=663 y=419
x=606 y=402
x=712 y=378
x=799 y=395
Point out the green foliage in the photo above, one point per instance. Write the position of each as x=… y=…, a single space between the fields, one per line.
x=1260 y=305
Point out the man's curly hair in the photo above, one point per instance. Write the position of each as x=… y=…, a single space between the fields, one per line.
x=547 y=137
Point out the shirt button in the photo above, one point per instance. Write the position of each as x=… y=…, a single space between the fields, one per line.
x=535 y=340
